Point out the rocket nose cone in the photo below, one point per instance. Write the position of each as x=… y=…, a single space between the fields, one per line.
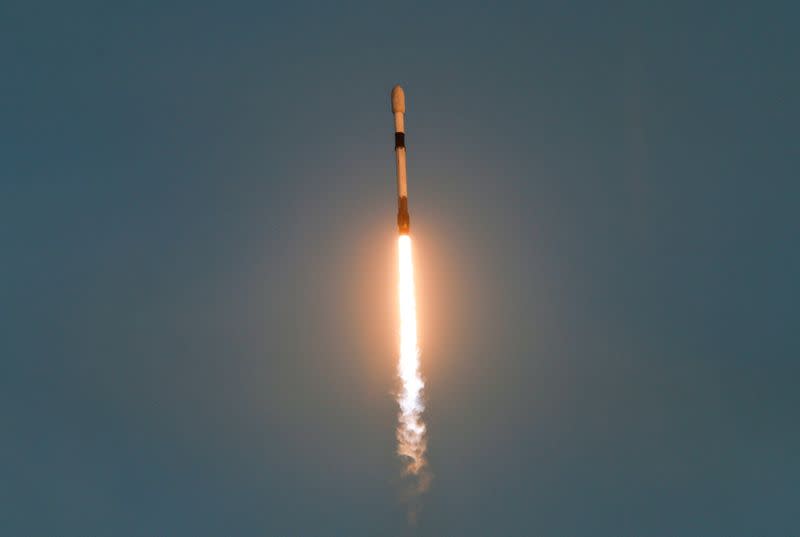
x=398 y=100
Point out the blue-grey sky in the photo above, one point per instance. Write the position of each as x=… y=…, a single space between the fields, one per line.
x=198 y=319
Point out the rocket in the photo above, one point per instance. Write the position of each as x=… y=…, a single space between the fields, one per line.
x=399 y=110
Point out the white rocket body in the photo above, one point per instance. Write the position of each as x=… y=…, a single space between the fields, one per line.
x=399 y=110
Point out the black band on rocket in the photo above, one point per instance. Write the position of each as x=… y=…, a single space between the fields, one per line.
x=399 y=140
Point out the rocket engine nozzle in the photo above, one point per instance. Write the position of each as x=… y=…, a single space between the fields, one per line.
x=403 y=219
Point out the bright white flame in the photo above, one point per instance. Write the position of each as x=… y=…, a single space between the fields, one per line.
x=411 y=429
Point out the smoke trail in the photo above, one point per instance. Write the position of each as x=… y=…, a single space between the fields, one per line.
x=411 y=441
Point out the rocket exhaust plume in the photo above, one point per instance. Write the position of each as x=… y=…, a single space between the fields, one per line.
x=411 y=428
x=411 y=442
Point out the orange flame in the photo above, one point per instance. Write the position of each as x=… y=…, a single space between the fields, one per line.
x=411 y=428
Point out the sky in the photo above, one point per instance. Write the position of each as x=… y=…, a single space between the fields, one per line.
x=198 y=321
